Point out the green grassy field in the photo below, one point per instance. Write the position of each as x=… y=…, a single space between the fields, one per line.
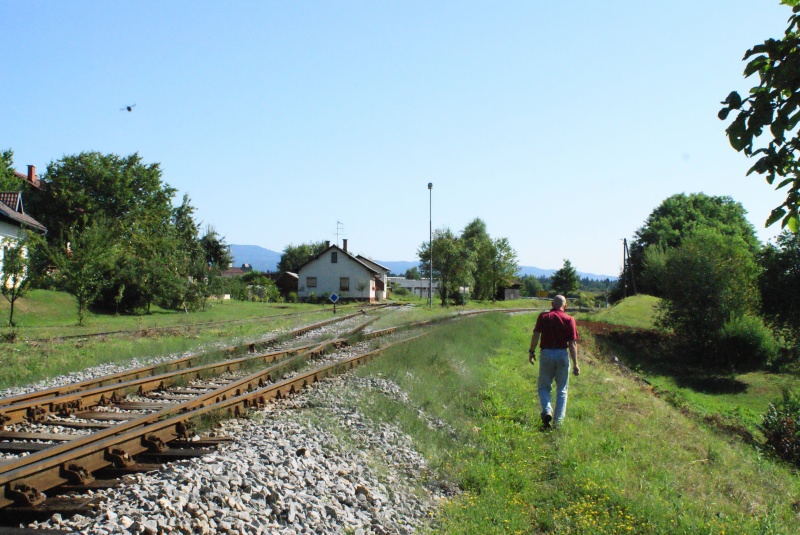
x=636 y=311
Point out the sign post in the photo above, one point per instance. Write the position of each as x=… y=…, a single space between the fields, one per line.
x=334 y=299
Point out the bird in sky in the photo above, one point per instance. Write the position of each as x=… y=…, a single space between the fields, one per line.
x=128 y=108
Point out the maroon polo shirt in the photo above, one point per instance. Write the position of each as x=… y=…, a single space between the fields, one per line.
x=557 y=329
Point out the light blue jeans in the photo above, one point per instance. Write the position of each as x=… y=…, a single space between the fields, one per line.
x=554 y=364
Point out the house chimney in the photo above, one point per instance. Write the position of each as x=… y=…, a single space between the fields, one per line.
x=344 y=244
x=327 y=243
x=32 y=175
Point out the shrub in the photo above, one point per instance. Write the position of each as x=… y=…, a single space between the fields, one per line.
x=745 y=342
x=460 y=298
x=781 y=427
x=292 y=297
x=399 y=291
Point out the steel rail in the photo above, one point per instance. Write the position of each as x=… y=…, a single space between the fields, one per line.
x=153 y=369
x=24 y=479
x=83 y=400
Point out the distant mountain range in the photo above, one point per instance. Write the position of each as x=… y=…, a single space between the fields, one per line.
x=266 y=260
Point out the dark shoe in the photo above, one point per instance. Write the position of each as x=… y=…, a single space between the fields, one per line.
x=546 y=419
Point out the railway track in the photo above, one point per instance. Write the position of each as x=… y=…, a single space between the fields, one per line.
x=123 y=423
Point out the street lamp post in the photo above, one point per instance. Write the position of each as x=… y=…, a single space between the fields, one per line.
x=430 y=242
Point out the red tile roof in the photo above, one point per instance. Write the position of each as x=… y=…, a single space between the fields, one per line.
x=11 y=199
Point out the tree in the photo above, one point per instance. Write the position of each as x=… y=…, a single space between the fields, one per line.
x=565 y=281
x=294 y=256
x=140 y=222
x=452 y=263
x=217 y=258
x=779 y=283
x=76 y=190
x=679 y=216
x=476 y=239
x=8 y=180
x=15 y=281
x=82 y=262
x=773 y=103
x=361 y=286
x=531 y=286
x=504 y=265
x=413 y=274
x=709 y=280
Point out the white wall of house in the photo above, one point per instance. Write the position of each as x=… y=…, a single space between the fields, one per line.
x=7 y=230
x=383 y=275
x=329 y=276
x=9 y=236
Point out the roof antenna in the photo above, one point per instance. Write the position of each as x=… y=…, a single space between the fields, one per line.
x=339 y=230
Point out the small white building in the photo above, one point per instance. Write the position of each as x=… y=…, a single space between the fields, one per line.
x=417 y=287
x=336 y=271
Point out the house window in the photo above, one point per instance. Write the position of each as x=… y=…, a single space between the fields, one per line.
x=311 y=282
x=334 y=257
x=344 y=284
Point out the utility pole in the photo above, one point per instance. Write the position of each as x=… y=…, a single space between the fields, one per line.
x=626 y=268
x=430 y=242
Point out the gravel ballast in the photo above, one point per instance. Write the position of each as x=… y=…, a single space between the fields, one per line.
x=308 y=464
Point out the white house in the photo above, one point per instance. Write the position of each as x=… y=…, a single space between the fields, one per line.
x=336 y=271
x=13 y=220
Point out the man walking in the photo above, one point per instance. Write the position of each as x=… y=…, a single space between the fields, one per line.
x=559 y=336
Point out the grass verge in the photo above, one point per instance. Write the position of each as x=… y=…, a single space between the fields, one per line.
x=626 y=461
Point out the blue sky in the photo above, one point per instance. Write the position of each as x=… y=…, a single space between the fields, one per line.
x=561 y=125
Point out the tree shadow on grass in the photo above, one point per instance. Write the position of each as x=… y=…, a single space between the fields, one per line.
x=711 y=384
x=657 y=354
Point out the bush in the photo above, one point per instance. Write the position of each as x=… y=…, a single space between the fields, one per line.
x=460 y=299
x=746 y=342
x=781 y=428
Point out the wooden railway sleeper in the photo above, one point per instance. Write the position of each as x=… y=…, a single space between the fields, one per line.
x=25 y=495
x=35 y=414
x=76 y=474
x=154 y=444
x=119 y=457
